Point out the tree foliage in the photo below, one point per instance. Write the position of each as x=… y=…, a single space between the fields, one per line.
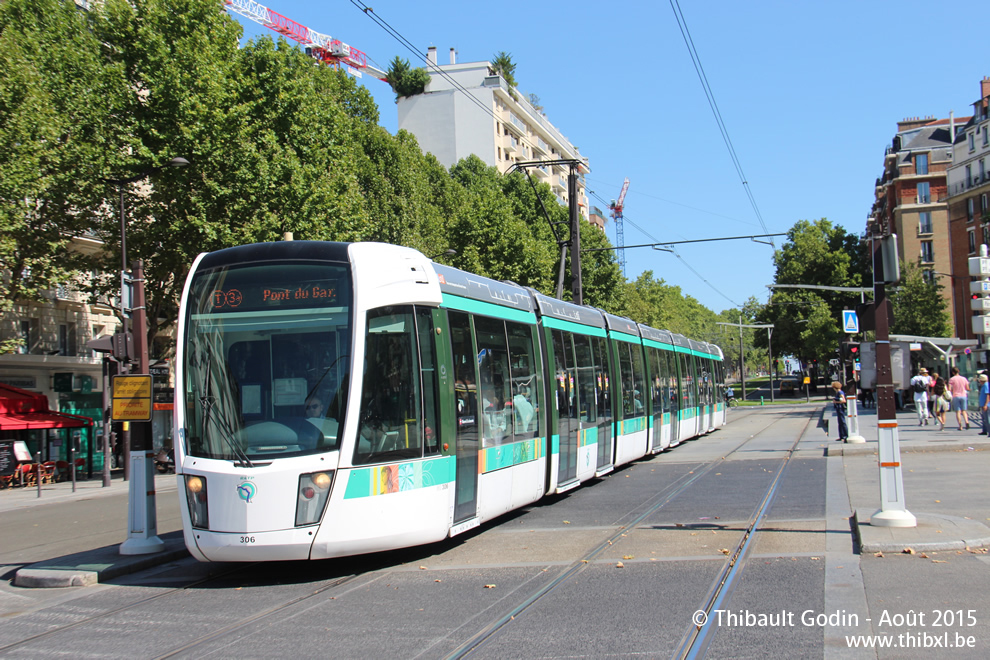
x=404 y=79
x=54 y=113
x=276 y=143
x=503 y=65
x=918 y=306
x=807 y=321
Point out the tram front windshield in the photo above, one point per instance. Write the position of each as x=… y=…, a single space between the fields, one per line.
x=266 y=360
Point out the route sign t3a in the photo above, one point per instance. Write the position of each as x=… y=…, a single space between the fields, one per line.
x=850 y=322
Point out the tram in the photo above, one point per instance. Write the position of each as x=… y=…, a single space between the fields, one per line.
x=343 y=398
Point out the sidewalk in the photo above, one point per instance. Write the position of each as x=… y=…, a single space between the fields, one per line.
x=944 y=476
x=98 y=564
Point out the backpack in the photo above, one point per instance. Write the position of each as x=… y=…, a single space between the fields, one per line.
x=918 y=385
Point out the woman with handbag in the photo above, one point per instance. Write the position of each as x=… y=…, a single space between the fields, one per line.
x=943 y=401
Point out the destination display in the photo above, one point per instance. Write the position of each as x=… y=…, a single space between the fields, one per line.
x=250 y=289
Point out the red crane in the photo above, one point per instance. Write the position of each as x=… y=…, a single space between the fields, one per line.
x=321 y=46
x=620 y=239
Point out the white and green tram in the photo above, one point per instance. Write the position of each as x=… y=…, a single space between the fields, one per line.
x=336 y=399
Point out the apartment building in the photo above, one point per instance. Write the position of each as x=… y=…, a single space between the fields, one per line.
x=52 y=359
x=911 y=197
x=468 y=109
x=968 y=197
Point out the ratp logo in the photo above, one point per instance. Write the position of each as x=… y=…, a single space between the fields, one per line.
x=246 y=490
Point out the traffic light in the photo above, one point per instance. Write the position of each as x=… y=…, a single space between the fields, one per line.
x=849 y=350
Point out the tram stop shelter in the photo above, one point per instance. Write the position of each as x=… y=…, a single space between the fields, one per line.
x=26 y=416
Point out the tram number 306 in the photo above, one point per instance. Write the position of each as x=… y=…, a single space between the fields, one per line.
x=247 y=539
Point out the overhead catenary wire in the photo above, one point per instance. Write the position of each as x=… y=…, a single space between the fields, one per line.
x=699 y=69
x=675 y=253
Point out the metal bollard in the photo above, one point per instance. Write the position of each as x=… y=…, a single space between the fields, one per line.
x=853 y=418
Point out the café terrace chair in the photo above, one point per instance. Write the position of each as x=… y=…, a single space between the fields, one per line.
x=48 y=472
x=28 y=473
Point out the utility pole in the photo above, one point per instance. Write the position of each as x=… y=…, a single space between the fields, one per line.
x=742 y=362
x=577 y=289
x=893 y=510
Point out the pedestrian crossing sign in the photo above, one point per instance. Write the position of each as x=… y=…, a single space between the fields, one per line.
x=850 y=322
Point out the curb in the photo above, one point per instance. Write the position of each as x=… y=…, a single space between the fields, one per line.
x=870 y=448
x=878 y=539
x=86 y=569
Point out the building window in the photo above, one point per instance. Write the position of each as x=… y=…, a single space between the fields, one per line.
x=921 y=164
x=25 y=346
x=928 y=276
x=972 y=141
x=972 y=243
x=969 y=176
x=986 y=234
x=925 y=222
x=928 y=252
x=67 y=339
x=983 y=170
x=970 y=209
x=924 y=193
x=985 y=136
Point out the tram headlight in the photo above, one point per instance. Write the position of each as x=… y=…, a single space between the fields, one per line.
x=312 y=496
x=197 y=500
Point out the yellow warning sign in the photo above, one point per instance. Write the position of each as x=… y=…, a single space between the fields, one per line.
x=131 y=399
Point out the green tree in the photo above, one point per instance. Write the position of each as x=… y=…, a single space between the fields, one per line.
x=918 y=306
x=503 y=65
x=806 y=321
x=56 y=96
x=406 y=80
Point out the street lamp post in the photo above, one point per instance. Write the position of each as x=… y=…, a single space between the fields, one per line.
x=142 y=528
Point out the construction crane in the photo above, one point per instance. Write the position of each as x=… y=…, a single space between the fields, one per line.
x=320 y=46
x=620 y=239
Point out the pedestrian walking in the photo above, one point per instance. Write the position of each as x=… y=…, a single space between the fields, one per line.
x=959 y=389
x=919 y=385
x=839 y=400
x=942 y=401
x=984 y=396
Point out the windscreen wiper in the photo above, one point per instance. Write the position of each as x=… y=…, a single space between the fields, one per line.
x=207 y=401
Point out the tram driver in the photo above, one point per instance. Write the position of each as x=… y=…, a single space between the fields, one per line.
x=316 y=415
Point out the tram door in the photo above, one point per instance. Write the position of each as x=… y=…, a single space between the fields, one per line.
x=673 y=395
x=606 y=440
x=568 y=419
x=466 y=393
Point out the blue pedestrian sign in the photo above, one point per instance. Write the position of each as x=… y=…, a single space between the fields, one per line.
x=850 y=322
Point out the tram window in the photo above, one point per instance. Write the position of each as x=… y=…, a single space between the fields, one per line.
x=428 y=366
x=495 y=381
x=632 y=396
x=639 y=379
x=602 y=392
x=465 y=380
x=526 y=382
x=390 y=426
x=585 y=363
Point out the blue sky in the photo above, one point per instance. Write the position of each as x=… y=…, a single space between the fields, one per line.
x=810 y=94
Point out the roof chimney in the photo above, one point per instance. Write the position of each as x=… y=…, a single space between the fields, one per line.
x=453 y=56
x=431 y=55
x=984 y=88
x=952 y=126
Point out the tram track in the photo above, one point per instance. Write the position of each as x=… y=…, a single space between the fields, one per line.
x=381 y=566
x=697 y=640
x=716 y=594
x=123 y=608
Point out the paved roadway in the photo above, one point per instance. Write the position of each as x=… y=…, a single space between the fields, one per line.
x=617 y=569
